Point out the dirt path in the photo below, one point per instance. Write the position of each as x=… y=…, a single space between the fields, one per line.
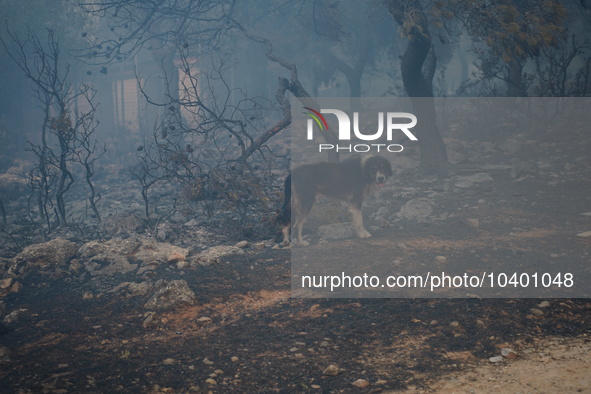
x=555 y=365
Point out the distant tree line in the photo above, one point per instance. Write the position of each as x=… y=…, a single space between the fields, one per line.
x=216 y=139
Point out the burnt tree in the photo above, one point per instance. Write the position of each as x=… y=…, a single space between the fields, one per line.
x=63 y=136
x=417 y=68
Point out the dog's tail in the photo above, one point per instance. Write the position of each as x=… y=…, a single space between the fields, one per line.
x=284 y=217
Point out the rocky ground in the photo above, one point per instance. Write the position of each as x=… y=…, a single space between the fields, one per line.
x=188 y=309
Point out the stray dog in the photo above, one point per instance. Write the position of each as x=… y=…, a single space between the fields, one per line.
x=350 y=181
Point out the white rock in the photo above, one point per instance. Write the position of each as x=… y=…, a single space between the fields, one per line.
x=331 y=370
x=361 y=383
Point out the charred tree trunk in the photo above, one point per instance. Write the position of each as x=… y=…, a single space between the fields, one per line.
x=355 y=73
x=515 y=86
x=417 y=69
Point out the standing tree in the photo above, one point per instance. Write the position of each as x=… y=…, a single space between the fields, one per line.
x=417 y=66
x=507 y=34
x=51 y=178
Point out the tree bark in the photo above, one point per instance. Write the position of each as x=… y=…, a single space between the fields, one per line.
x=419 y=86
x=514 y=79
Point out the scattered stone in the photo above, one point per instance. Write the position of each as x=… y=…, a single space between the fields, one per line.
x=448 y=186
x=569 y=166
x=109 y=264
x=204 y=320
x=440 y=259
x=88 y=296
x=150 y=320
x=182 y=265
x=6 y=284
x=335 y=231
x=331 y=370
x=215 y=254
x=360 y=383
x=383 y=211
x=496 y=359
x=75 y=266
x=544 y=304
x=416 y=210
x=13 y=180
x=234 y=359
x=4 y=355
x=584 y=238
x=165 y=232
x=109 y=257
x=124 y=247
x=469 y=181
x=509 y=353
x=122 y=223
x=211 y=382
x=242 y=244
x=170 y=294
x=42 y=323
x=152 y=252
x=207 y=361
x=381 y=382
x=520 y=168
x=176 y=256
x=315 y=386
x=139 y=289
x=192 y=223
x=13 y=316
x=47 y=255
x=474 y=223
x=169 y=361
x=536 y=312
x=261 y=245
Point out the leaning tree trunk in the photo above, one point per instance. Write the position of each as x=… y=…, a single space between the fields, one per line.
x=418 y=85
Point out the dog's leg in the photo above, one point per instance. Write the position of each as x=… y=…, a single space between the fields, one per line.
x=300 y=219
x=284 y=217
x=299 y=240
x=301 y=209
x=285 y=232
x=357 y=219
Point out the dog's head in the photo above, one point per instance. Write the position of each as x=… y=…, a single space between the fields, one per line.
x=377 y=169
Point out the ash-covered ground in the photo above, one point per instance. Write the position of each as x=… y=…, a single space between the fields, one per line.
x=189 y=306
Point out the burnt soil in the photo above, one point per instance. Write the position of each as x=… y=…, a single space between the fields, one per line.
x=258 y=339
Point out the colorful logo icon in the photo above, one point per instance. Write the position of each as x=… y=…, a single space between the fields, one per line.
x=317 y=117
